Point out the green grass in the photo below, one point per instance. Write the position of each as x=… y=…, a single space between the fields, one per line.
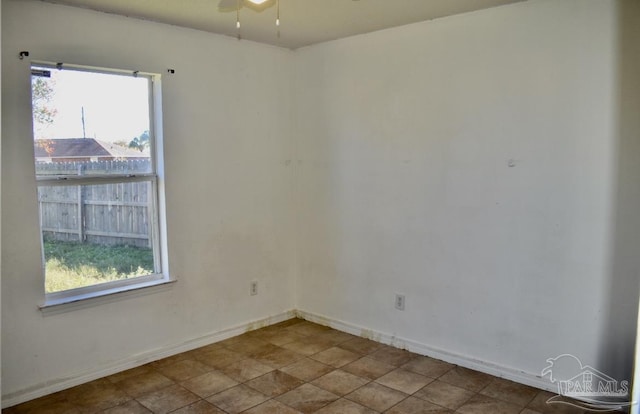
x=73 y=265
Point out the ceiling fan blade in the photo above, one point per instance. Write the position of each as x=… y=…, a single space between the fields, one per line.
x=259 y=7
x=226 y=6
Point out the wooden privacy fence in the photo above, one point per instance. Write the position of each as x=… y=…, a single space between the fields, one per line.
x=108 y=214
x=104 y=167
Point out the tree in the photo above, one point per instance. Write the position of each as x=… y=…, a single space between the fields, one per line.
x=140 y=143
x=41 y=96
x=42 y=92
x=122 y=143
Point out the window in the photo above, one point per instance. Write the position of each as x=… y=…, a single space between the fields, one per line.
x=96 y=160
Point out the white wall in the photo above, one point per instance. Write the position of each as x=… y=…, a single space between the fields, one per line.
x=624 y=284
x=228 y=187
x=469 y=163
x=402 y=142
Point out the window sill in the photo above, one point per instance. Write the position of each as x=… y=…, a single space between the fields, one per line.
x=68 y=301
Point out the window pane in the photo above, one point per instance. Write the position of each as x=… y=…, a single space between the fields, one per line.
x=97 y=233
x=88 y=123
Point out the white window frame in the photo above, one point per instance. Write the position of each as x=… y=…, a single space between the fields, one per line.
x=56 y=300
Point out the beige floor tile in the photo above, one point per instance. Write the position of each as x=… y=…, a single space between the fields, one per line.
x=287 y=322
x=209 y=383
x=130 y=407
x=340 y=382
x=366 y=367
x=307 y=369
x=169 y=360
x=275 y=383
x=278 y=358
x=480 y=404
x=219 y=358
x=307 y=328
x=336 y=357
x=237 y=342
x=201 y=407
x=184 y=369
x=414 y=405
x=115 y=378
x=192 y=354
x=245 y=345
x=529 y=411
x=376 y=396
x=510 y=391
x=361 y=346
x=272 y=407
x=430 y=367
x=237 y=399
x=404 y=381
x=344 y=406
x=307 y=398
x=467 y=379
x=540 y=403
x=282 y=326
x=281 y=337
x=444 y=394
x=272 y=332
x=246 y=369
x=307 y=346
x=96 y=395
x=267 y=348
x=144 y=383
x=393 y=356
x=207 y=348
x=44 y=405
x=168 y=399
x=335 y=337
x=263 y=333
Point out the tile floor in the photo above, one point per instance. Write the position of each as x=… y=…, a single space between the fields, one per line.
x=297 y=367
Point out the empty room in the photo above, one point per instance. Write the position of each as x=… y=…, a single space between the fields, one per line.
x=320 y=206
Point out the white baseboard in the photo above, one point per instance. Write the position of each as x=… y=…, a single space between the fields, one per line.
x=133 y=361
x=521 y=377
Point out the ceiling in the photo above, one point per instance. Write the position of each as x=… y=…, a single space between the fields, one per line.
x=303 y=22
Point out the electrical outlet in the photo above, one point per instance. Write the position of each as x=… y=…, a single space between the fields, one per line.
x=253 y=289
x=399 y=302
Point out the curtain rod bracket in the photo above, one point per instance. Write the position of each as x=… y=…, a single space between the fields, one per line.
x=24 y=54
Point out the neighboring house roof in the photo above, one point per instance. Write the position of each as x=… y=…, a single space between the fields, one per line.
x=83 y=148
x=119 y=151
